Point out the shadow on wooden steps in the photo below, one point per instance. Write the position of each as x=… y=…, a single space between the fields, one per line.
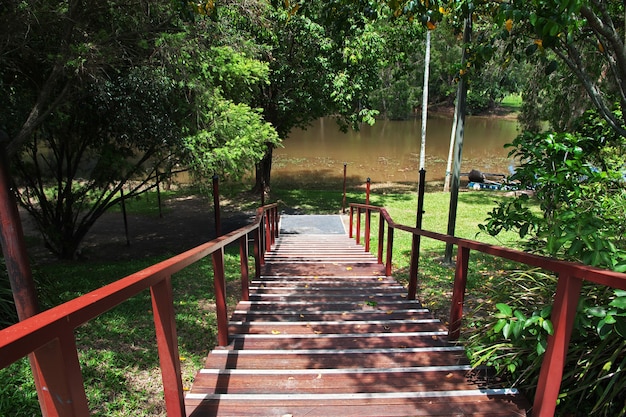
x=328 y=337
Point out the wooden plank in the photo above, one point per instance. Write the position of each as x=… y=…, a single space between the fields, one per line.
x=505 y=406
x=326 y=334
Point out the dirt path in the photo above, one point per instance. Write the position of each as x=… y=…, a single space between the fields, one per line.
x=186 y=222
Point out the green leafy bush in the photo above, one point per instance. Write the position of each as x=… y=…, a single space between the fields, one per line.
x=579 y=181
x=8 y=315
x=513 y=339
x=580 y=189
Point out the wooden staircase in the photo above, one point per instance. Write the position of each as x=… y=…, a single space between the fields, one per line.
x=325 y=333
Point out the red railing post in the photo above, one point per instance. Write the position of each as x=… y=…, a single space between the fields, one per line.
x=216 y=205
x=268 y=232
x=167 y=345
x=381 y=236
x=276 y=223
x=56 y=368
x=389 y=251
x=257 y=251
x=368 y=218
x=358 y=225
x=351 y=219
x=343 y=201
x=414 y=267
x=220 y=297
x=458 y=293
x=243 y=259
x=551 y=374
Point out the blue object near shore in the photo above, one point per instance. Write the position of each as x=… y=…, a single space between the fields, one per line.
x=484 y=186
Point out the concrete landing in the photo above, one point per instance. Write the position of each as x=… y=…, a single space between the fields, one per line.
x=312 y=224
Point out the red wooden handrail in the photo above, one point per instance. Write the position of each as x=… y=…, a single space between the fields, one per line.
x=44 y=332
x=570 y=278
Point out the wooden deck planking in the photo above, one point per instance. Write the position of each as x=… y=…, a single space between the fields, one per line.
x=326 y=334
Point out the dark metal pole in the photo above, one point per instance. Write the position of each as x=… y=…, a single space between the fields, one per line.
x=343 y=202
x=123 y=202
x=415 y=246
x=216 y=205
x=158 y=188
x=367 y=191
x=458 y=146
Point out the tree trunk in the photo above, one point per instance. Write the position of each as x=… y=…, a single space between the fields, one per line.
x=263 y=171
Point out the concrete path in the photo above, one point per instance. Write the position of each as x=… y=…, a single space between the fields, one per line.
x=312 y=224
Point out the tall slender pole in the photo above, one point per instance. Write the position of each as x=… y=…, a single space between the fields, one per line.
x=425 y=101
x=458 y=147
x=343 y=202
x=158 y=188
x=124 y=215
x=216 y=205
x=446 y=183
x=415 y=244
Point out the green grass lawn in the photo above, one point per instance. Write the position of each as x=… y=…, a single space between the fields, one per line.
x=512 y=102
x=118 y=349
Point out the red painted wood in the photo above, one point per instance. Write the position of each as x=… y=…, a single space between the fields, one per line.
x=312 y=334
x=368 y=222
x=167 y=343
x=332 y=383
x=358 y=225
x=220 y=297
x=268 y=233
x=373 y=408
x=50 y=334
x=458 y=293
x=389 y=252
x=350 y=221
x=57 y=369
x=258 y=253
x=381 y=238
x=243 y=261
x=551 y=374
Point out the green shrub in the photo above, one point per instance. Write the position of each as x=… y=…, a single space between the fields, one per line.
x=513 y=339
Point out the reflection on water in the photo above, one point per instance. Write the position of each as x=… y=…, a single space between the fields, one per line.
x=389 y=150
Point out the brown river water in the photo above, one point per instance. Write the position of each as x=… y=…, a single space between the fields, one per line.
x=389 y=150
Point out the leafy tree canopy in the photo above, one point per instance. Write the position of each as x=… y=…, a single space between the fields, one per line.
x=103 y=97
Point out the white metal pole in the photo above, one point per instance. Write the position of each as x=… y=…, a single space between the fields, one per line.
x=425 y=101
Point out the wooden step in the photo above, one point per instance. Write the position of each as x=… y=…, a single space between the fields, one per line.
x=324 y=335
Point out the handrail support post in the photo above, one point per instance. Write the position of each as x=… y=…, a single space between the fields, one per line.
x=458 y=293
x=220 y=297
x=551 y=373
x=245 y=272
x=167 y=346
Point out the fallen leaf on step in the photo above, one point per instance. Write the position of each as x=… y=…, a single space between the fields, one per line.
x=275 y=332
